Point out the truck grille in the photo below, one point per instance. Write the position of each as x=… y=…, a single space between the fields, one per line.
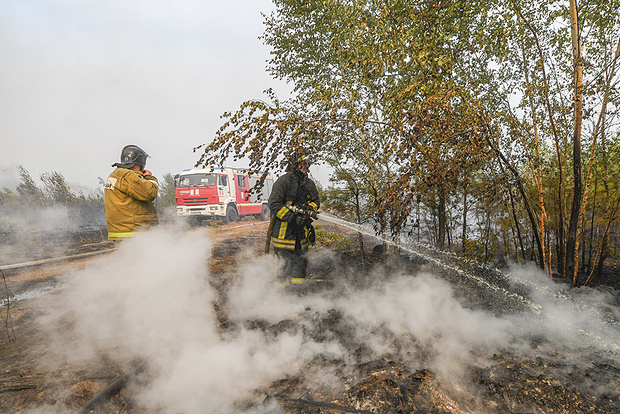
x=190 y=201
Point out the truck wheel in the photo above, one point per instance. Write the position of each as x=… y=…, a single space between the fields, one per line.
x=231 y=214
x=264 y=212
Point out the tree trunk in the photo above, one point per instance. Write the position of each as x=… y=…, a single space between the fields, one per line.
x=530 y=213
x=487 y=235
x=538 y=175
x=517 y=227
x=418 y=219
x=592 y=227
x=360 y=237
x=464 y=233
x=600 y=127
x=572 y=257
x=603 y=249
x=610 y=212
x=441 y=215
x=555 y=134
x=515 y=173
x=603 y=256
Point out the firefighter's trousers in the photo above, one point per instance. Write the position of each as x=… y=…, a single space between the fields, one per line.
x=293 y=270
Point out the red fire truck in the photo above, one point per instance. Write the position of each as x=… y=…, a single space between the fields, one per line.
x=224 y=193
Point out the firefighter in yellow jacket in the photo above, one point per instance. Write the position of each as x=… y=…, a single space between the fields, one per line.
x=129 y=194
x=294 y=201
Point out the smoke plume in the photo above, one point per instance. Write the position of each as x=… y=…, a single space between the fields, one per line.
x=151 y=303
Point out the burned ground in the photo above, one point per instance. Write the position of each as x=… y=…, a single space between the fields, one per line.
x=570 y=378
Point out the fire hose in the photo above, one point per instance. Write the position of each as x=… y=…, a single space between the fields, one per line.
x=114 y=388
x=272 y=222
x=107 y=393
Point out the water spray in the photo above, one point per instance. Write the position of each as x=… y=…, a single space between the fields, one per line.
x=420 y=250
x=537 y=309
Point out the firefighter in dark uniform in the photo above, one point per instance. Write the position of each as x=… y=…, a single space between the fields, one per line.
x=294 y=201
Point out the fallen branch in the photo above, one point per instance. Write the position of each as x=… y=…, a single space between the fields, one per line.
x=8 y=321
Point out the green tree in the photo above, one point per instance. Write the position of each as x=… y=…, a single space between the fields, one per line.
x=573 y=67
x=416 y=96
x=56 y=188
x=27 y=190
x=167 y=192
x=349 y=198
x=376 y=86
x=8 y=197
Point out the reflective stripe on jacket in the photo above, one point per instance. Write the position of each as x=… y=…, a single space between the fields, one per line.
x=288 y=190
x=128 y=200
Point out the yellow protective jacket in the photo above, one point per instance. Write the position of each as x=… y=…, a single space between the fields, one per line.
x=291 y=189
x=128 y=198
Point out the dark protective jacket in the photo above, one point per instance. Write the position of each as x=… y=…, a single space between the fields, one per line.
x=291 y=189
x=128 y=199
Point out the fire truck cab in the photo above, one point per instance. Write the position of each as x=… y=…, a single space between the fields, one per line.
x=223 y=193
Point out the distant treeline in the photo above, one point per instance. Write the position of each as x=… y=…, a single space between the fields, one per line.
x=32 y=207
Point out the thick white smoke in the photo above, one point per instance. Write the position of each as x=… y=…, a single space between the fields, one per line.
x=574 y=318
x=33 y=233
x=424 y=310
x=151 y=301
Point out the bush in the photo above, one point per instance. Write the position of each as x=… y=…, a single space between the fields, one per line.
x=332 y=240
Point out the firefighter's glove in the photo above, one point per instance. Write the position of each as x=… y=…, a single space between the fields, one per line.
x=313 y=214
x=300 y=220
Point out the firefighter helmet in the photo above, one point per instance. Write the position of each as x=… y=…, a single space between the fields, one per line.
x=299 y=156
x=132 y=155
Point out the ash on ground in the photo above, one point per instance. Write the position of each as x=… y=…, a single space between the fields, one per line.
x=465 y=347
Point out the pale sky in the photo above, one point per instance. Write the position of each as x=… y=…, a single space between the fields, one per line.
x=80 y=79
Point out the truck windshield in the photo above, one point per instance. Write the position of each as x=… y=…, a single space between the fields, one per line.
x=197 y=180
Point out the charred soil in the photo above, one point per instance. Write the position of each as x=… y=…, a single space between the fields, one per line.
x=540 y=380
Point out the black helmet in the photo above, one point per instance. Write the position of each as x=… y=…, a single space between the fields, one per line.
x=299 y=156
x=132 y=155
